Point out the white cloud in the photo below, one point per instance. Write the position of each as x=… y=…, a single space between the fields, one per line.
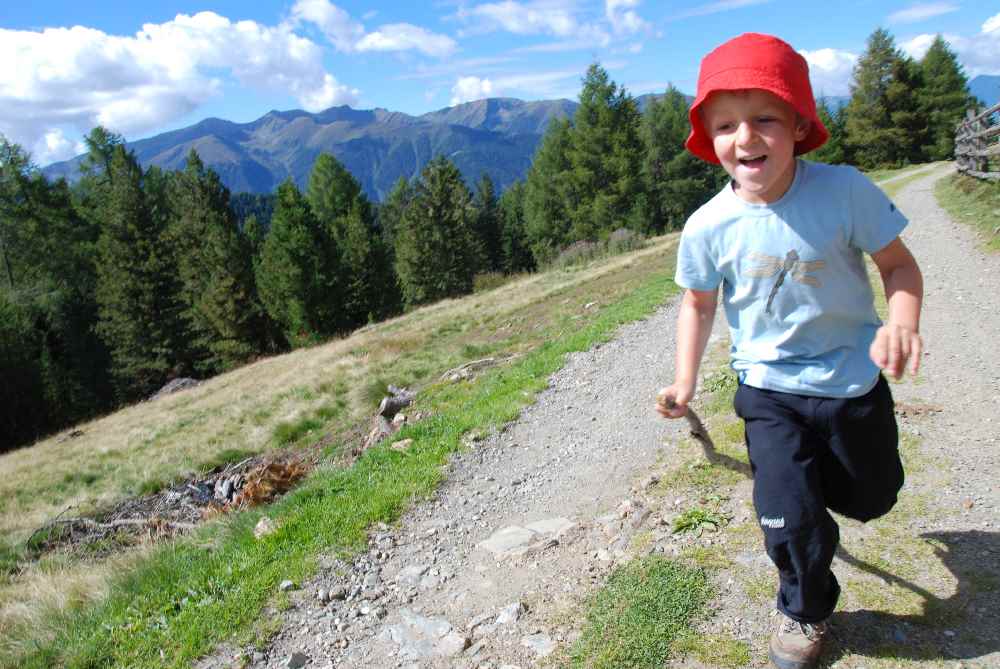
x=622 y=17
x=536 y=17
x=467 y=89
x=337 y=26
x=830 y=70
x=55 y=146
x=348 y=36
x=550 y=84
x=404 y=37
x=992 y=24
x=71 y=79
x=717 y=7
x=979 y=54
x=922 y=11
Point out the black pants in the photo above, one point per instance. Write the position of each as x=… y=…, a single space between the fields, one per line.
x=810 y=454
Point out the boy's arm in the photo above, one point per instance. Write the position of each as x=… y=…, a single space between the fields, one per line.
x=694 y=325
x=899 y=339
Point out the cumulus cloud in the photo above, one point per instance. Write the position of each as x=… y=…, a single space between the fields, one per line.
x=349 y=36
x=337 y=26
x=406 y=37
x=830 y=70
x=979 y=53
x=550 y=84
x=467 y=89
x=71 y=79
x=537 y=17
x=922 y=11
x=623 y=18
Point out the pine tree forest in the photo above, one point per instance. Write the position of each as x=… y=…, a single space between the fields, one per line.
x=129 y=278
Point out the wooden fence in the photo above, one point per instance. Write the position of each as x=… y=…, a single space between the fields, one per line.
x=977 y=149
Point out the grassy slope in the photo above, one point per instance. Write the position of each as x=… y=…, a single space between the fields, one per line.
x=177 y=601
x=973 y=202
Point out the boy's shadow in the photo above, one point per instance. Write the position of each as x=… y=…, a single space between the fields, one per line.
x=965 y=625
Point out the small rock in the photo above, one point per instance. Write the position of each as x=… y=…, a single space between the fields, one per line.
x=338 y=592
x=540 y=643
x=452 y=643
x=286 y=586
x=402 y=444
x=297 y=660
x=265 y=526
x=510 y=613
x=968 y=503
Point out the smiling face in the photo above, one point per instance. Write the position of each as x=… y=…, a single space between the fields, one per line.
x=754 y=134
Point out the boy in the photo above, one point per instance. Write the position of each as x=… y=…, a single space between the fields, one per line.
x=786 y=240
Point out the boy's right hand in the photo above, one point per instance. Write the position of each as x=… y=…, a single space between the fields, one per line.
x=672 y=401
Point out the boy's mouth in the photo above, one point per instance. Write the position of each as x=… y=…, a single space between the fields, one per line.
x=753 y=161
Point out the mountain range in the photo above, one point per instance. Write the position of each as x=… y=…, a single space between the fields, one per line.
x=496 y=136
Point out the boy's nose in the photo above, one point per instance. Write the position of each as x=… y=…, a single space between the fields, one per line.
x=744 y=132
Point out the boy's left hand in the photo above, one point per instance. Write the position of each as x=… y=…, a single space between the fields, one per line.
x=894 y=345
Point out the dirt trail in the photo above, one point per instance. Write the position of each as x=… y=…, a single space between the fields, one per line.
x=922 y=587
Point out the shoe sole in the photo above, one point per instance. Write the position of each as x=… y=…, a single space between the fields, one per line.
x=781 y=663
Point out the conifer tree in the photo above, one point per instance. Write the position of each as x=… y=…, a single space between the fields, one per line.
x=515 y=256
x=677 y=182
x=436 y=249
x=944 y=98
x=341 y=207
x=883 y=126
x=487 y=222
x=139 y=313
x=299 y=271
x=332 y=192
x=548 y=193
x=605 y=155
x=390 y=213
x=220 y=303
x=833 y=151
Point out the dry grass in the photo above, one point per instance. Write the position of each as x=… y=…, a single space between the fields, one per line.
x=287 y=400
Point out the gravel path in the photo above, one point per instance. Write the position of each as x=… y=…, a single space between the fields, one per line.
x=490 y=573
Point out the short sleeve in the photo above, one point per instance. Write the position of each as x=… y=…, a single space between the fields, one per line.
x=696 y=267
x=875 y=220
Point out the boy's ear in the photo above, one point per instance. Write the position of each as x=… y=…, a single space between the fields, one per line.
x=802 y=126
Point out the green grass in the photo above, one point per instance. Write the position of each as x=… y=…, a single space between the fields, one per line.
x=892 y=189
x=716 y=651
x=215 y=585
x=972 y=202
x=889 y=172
x=637 y=618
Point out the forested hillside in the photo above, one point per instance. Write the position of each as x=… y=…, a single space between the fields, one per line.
x=132 y=276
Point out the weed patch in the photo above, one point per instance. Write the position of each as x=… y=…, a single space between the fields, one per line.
x=698 y=520
x=636 y=619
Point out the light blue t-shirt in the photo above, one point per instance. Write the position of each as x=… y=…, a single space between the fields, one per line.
x=795 y=289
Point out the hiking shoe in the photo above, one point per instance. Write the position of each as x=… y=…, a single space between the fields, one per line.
x=796 y=645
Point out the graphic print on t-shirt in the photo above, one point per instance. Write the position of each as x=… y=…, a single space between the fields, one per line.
x=768 y=266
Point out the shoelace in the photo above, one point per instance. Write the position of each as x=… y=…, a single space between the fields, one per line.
x=810 y=631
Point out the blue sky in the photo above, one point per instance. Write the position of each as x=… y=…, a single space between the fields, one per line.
x=142 y=68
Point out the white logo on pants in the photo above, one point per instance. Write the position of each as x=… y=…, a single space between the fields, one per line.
x=773 y=523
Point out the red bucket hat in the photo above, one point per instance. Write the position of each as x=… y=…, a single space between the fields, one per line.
x=758 y=61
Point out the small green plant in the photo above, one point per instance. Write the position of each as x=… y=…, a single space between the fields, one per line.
x=698 y=520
